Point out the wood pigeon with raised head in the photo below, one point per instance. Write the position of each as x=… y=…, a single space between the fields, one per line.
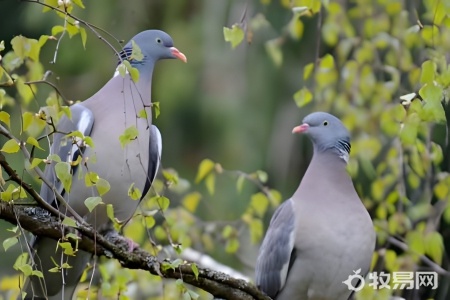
x=126 y=153
x=323 y=233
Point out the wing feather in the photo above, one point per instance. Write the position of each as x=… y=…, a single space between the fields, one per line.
x=277 y=251
x=82 y=120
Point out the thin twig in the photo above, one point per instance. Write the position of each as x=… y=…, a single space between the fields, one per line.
x=58 y=196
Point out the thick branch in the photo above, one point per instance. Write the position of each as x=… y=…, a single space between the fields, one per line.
x=39 y=222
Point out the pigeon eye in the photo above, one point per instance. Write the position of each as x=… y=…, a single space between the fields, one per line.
x=158 y=40
x=325 y=123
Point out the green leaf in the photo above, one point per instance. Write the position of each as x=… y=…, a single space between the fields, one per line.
x=149 y=222
x=227 y=231
x=408 y=134
x=78 y=3
x=142 y=114
x=307 y=71
x=134 y=73
x=433 y=109
x=69 y=222
x=204 y=168
x=210 y=182
x=57 y=29
x=240 y=183
x=195 y=270
x=327 y=62
x=428 y=72
x=134 y=193
x=5 y=118
x=191 y=201
x=434 y=245
x=416 y=244
x=9 y=242
x=67 y=248
x=122 y=69
x=83 y=36
x=102 y=186
x=163 y=202
x=157 y=109
x=303 y=97
x=54 y=157
x=273 y=49
x=10 y=146
x=234 y=35
x=256 y=230
x=136 y=52
x=232 y=245
x=92 y=202
x=32 y=141
x=259 y=203
x=64 y=174
x=129 y=135
x=110 y=212
x=262 y=176
x=90 y=179
x=35 y=162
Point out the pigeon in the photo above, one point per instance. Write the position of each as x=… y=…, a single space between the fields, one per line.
x=126 y=153
x=323 y=234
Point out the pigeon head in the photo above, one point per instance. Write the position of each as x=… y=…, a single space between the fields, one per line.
x=327 y=133
x=154 y=45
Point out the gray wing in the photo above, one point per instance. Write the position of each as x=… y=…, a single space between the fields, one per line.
x=155 y=148
x=82 y=120
x=277 y=252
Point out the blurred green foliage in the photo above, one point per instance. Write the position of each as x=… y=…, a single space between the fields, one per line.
x=381 y=66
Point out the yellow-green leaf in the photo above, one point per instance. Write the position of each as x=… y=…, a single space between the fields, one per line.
x=92 y=202
x=156 y=108
x=129 y=135
x=194 y=270
x=259 y=203
x=9 y=242
x=136 y=52
x=64 y=174
x=10 y=146
x=434 y=245
x=204 y=168
x=210 y=182
x=234 y=35
x=67 y=248
x=134 y=193
x=307 y=71
x=5 y=118
x=78 y=3
x=256 y=230
x=273 y=49
x=428 y=72
x=303 y=97
x=232 y=245
x=32 y=141
x=102 y=186
x=191 y=201
x=69 y=222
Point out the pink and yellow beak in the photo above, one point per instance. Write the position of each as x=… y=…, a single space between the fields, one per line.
x=178 y=54
x=301 y=128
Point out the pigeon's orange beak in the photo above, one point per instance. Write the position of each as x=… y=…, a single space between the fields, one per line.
x=178 y=54
x=300 y=129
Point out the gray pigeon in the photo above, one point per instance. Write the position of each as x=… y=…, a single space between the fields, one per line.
x=130 y=164
x=323 y=233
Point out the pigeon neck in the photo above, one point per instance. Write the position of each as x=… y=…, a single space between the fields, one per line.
x=144 y=83
x=326 y=170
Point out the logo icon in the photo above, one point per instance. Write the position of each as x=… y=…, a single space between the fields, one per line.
x=359 y=282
